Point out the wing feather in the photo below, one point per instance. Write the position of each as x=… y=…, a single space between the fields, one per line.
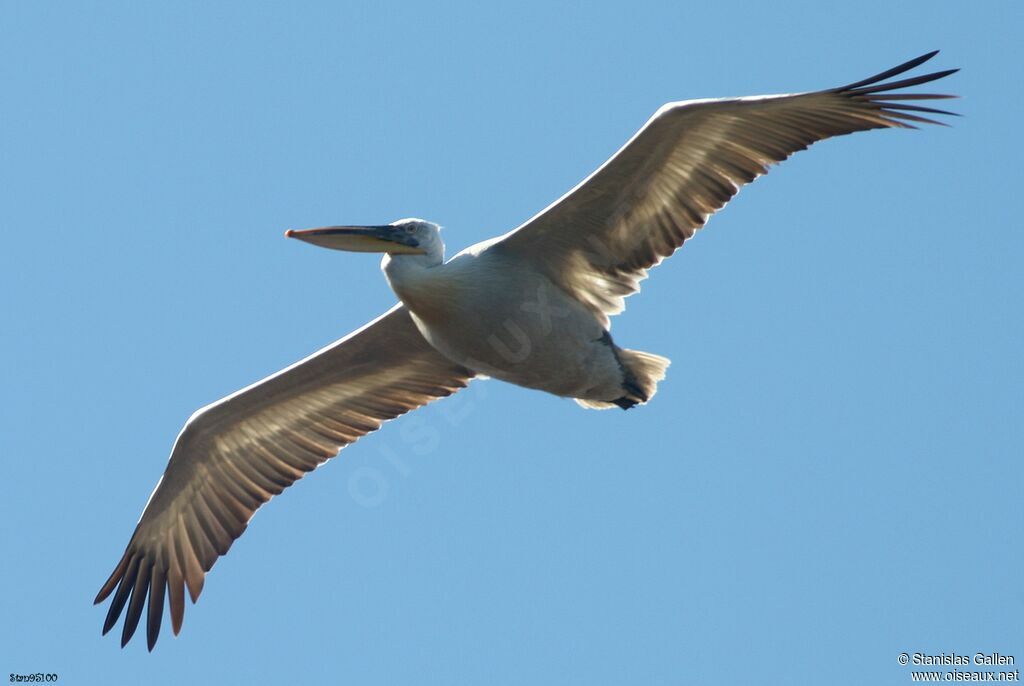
x=686 y=163
x=236 y=454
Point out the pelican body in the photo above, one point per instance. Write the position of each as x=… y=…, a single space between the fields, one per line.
x=498 y=315
x=531 y=308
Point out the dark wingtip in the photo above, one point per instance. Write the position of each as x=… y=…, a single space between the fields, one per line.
x=112 y=581
x=895 y=71
x=140 y=590
x=155 y=615
x=874 y=87
x=124 y=588
x=885 y=95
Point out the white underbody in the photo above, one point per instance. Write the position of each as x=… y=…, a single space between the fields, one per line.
x=504 y=319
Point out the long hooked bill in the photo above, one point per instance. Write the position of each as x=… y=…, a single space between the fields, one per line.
x=383 y=238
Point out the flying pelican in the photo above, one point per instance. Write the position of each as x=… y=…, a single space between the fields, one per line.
x=530 y=307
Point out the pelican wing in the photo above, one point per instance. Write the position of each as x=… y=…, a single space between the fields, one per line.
x=234 y=455
x=687 y=162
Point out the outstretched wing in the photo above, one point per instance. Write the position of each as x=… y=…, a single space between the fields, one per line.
x=687 y=162
x=234 y=455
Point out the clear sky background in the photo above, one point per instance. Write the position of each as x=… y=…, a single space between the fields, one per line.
x=829 y=476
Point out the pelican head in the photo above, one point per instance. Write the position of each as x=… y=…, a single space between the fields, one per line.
x=402 y=237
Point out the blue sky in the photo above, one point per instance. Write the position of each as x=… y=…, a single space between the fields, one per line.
x=829 y=476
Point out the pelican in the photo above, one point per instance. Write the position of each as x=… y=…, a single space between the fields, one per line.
x=530 y=307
